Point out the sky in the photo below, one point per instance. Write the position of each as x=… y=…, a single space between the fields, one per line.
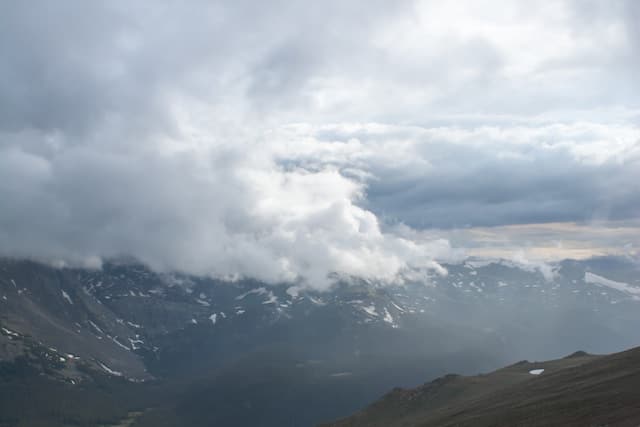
x=299 y=142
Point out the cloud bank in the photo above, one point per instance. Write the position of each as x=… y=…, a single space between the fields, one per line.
x=290 y=142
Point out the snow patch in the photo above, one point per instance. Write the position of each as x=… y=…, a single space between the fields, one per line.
x=536 y=371
x=213 y=318
x=397 y=307
x=388 y=318
x=370 y=310
x=66 y=296
x=618 y=286
x=109 y=370
x=135 y=325
x=134 y=343
x=258 y=291
x=272 y=299
x=95 y=327
x=317 y=301
x=118 y=343
x=11 y=333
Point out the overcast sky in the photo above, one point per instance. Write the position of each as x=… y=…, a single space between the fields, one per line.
x=290 y=140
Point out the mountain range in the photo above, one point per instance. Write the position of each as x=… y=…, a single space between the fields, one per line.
x=98 y=346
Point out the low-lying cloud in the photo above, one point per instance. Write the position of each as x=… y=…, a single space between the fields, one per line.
x=223 y=210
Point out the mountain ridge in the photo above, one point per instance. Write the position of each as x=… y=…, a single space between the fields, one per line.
x=577 y=390
x=266 y=355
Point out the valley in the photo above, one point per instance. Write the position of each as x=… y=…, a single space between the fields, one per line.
x=175 y=349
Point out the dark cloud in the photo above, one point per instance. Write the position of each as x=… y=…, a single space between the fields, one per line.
x=448 y=177
x=467 y=186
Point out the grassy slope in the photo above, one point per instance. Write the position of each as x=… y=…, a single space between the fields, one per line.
x=581 y=390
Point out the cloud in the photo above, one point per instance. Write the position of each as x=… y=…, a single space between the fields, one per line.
x=215 y=209
x=288 y=141
x=449 y=177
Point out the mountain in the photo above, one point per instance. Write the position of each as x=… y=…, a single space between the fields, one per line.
x=175 y=349
x=578 y=390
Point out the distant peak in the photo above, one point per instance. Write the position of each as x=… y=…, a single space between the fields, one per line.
x=579 y=353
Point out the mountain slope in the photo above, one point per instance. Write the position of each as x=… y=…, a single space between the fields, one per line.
x=247 y=353
x=580 y=390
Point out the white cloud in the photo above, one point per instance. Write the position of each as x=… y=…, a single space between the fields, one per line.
x=287 y=142
x=207 y=209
